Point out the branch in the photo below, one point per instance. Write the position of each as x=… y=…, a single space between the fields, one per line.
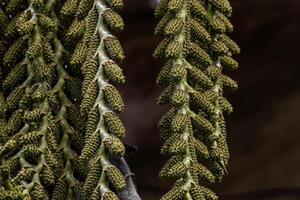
x=130 y=193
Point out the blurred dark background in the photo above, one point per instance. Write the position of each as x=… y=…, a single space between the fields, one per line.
x=263 y=131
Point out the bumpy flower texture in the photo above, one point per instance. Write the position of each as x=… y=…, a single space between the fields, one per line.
x=196 y=50
x=59 y=61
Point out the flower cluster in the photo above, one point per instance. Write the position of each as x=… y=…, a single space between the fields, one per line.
x=196 y=49
x=59 y=60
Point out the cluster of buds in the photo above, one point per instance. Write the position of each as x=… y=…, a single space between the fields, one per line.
x=195 y=49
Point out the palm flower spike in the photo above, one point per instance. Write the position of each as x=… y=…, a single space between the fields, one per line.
x=101 y=100
x=195 y=49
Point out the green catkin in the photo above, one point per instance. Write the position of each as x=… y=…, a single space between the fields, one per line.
x=165 y=96
x=198 y=10
x=78 y=190
x=160 y=49
x=222 y=5
x=84 y=7
x=113 y=98
x=173 y=49
x=115 y=4
x=219 y=48
x=228 y=83
x=89 y=69
x=163 y=76
x=113 y=19
x=47 y=177
x=113 y=72
x=114 y=124
x=24 y=175
x=76 y=139
x=202 y=192
x=199 y=77
x=46 y=23
x=31 y=137
x=90 y=150
x=92 y=177
x=69 y=8
x=232 y=46
x=101 y=100
x=75 y=31
x=35 y=142
x=23 y=24
x=109 y=196
x=92 y=20
x=174 y=26
x=73 y=89
x=199 y=54
x=15 y=76
x=75 y=119
x=179 y=98
x=115 y=146
x=174 y=5
x=60 y=190
x=89 y=97
x=15 y=122
x=39 y=192
x=45 y=73
x=176 y=193
x=12 y=6
x=92 y=122
x=177 y=72
x=48 y=52
x=14 y=98
x=51 y=141
x=31 y=151
x=79 y=54
x=39 y=94
x=115 y=177
x=227 y=24
x=161 y=8
x=199 y=31
x=114 y=48
x=217 y=25
x=179 y=122
x=178 y=170
x=14 y=52
x=33 y=116
x=195 y=47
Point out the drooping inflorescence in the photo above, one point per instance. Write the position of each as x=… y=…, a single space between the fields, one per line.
x=61 y=135
x=59 y=61
x=30 y=162
x=98 y=55
x=195 y=49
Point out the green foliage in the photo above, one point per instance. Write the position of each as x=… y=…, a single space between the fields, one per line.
x=195 y=48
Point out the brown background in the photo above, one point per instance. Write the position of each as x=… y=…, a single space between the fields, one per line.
x=263 y=132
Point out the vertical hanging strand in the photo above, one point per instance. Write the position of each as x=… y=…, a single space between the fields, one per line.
x=101 y=100
x=193 y=131
x=29 y=161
